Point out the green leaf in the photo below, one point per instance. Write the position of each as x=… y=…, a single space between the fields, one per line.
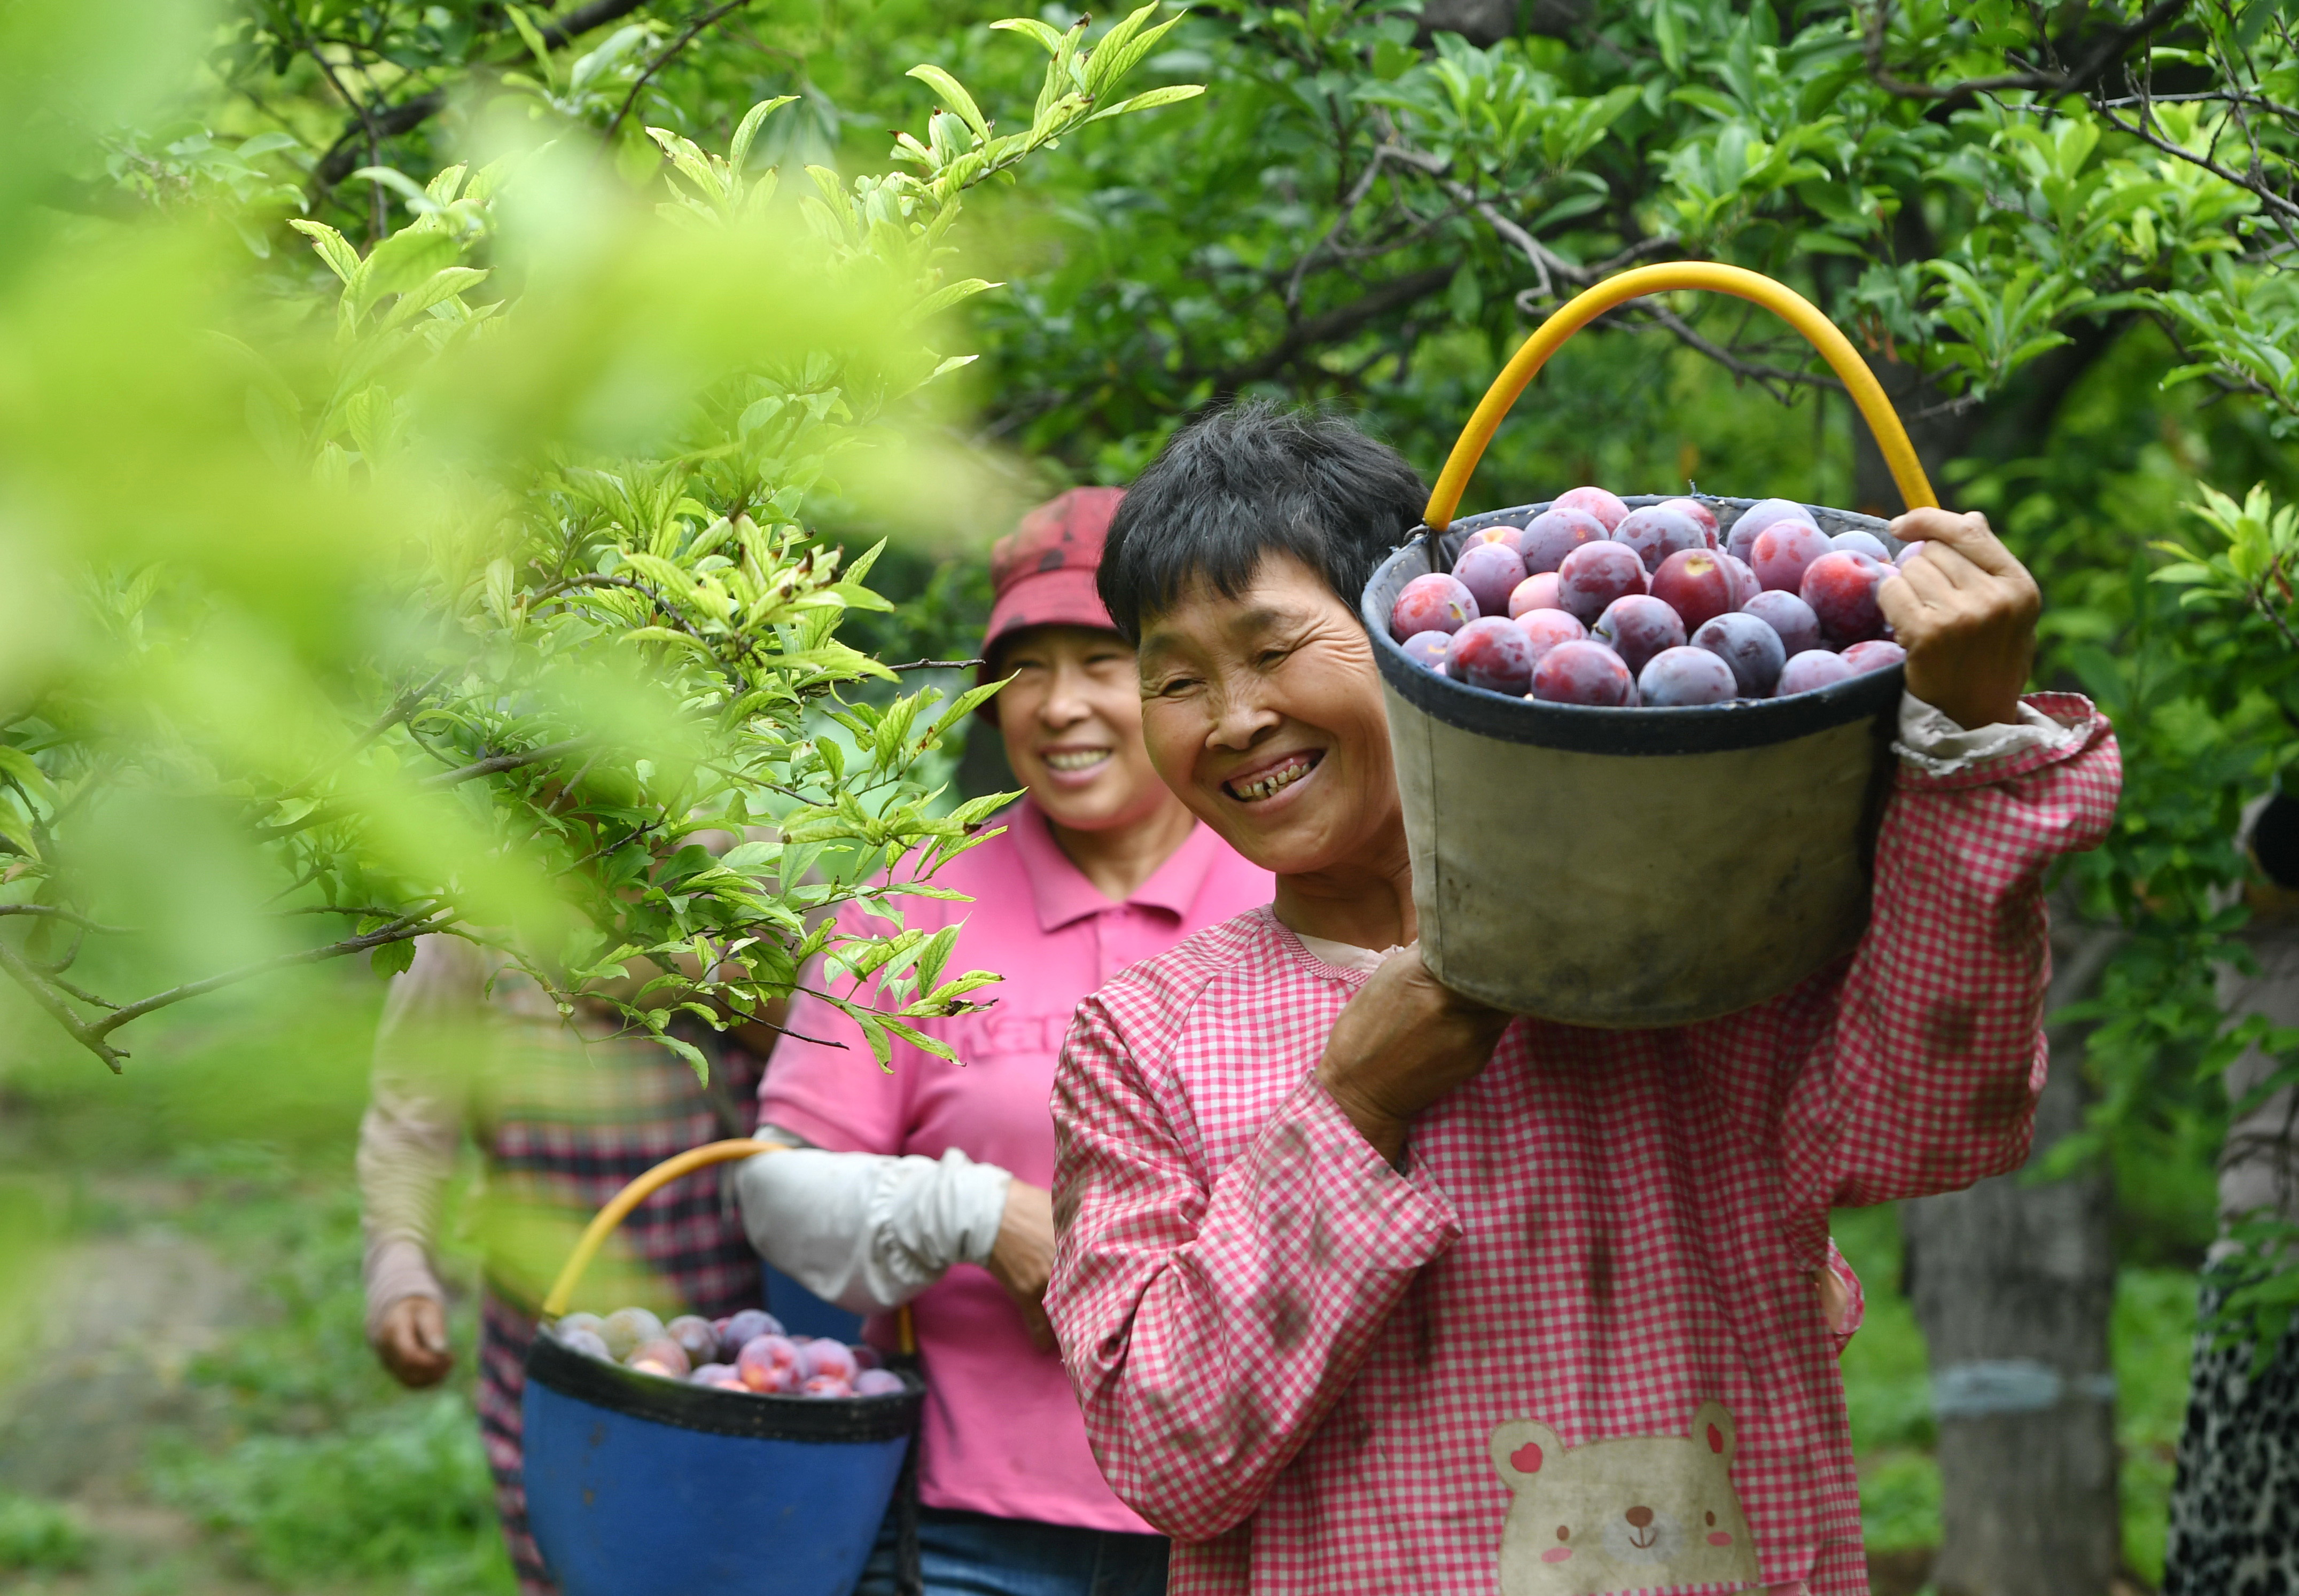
x=399 y=263
x=738 y=153
x=332 y=246
x=953 y=95
x=392 y=958
x=533 y=37
x=1172 y=95
x=1049 y=37
x=17 y=765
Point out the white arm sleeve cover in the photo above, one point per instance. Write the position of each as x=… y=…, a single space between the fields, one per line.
x=1939 y=747
x=865 y=1231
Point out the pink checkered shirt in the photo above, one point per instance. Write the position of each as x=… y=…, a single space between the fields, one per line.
x=1311 y=1368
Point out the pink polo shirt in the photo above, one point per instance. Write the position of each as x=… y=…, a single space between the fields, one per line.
x=1002 y=1434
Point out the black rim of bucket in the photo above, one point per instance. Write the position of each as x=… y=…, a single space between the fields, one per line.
x=1579 y=728
x=754 y=1416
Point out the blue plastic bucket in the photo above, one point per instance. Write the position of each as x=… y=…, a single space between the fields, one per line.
x=638 y=1486
x=641 y=1485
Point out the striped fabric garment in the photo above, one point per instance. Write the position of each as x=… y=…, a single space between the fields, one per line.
x=569 y=1122
x=1571 y=1349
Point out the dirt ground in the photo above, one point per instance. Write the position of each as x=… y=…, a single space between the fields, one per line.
x=122 y=1317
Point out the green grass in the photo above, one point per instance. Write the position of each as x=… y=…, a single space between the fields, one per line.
x=41 y=1536
x=335 y=1474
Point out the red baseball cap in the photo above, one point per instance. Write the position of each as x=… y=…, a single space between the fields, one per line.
x=1042 y=573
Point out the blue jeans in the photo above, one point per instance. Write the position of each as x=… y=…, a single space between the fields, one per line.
x=973 y=1554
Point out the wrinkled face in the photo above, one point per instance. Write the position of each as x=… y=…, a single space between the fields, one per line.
x=1263 y=712
x=1071 y=719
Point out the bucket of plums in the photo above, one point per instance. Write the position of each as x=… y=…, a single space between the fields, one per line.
x=704 y=1455
x=1642 y=741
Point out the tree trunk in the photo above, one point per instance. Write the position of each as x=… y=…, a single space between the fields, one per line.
x=2012 y=1284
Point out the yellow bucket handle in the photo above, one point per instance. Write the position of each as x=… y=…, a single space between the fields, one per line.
x=1792 y=308
x=603 y=1226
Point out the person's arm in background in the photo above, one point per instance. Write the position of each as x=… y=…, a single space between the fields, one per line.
x=854 y=1222
x=409 y=1139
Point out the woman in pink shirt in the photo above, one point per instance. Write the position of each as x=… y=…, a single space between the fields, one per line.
x=926 y=1184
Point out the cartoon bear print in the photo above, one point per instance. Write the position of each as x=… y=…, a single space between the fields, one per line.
x=1635 y=1513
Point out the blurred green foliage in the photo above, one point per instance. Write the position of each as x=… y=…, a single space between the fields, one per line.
x=40 y=1535
x=486 y=603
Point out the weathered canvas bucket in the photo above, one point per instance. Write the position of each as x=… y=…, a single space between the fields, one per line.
x=1636 y=867
x=642 y=1486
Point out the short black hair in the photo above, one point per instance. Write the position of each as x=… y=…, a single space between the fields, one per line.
x=1245 y=482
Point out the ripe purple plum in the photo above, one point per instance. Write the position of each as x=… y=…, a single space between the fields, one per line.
x=1514 y=536
x=1790 y=617
x=1861 y=542
x=715 y=1374
x=1605 y=507
x=1637 y=626
x=1556 y=532
x=1594 y=574
x=1491 y=572
x=1876 y=654
x=660 y=1356
x=1909 y=551
x=1534 y=593
x=1783 y=552
x=1841 y=589
x=1750 y=647
x=566 y=1322
x=1427 y=649
x=1583 y=673
x=626 y=1327
x=1544 y=628
x=877 y=1382
x=695 y=1336
x=1757 y=517
x=826 y=1385
x=1492 y=653
x=1695 y=583
x=738 y=1331
x=1656 y=531
x=1812 y=668
x=1745 y=585
x=867 y=1356
x=768 y=1363
x=824 y=1356
x=1680 y=678
x=590 y=1343
x=1432 y=603
x=1700 y=513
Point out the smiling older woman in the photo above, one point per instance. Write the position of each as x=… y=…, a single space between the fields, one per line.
x=1349 y=1261
x=927 y=1184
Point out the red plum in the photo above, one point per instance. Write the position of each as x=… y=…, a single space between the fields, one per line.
x=1594 y=574
x=1637 y=627
x=1681 y=678
x=1583 y=673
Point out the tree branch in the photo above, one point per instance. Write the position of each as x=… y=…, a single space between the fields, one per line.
x=500 y=763
x=405 y=117
x=1764 y=376
x=49 y=996
x=404 y=929
x=2103 y=56
x=47 y=912
x=694 y=31
x=1338 y=323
